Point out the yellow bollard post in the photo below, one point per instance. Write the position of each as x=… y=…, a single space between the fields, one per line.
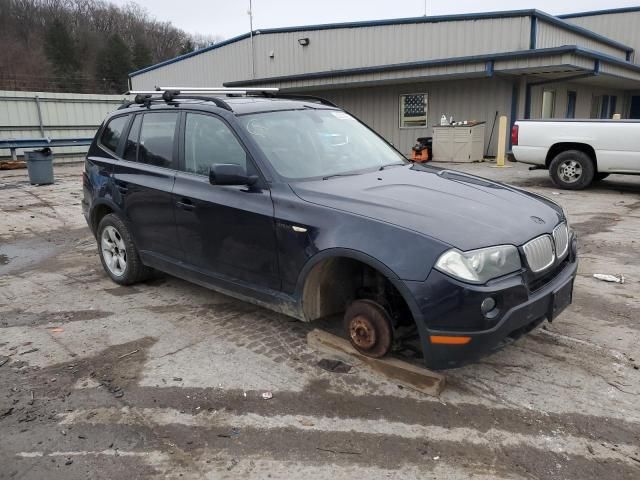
x=502 y=143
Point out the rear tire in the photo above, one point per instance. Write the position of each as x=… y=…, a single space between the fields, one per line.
x=118 y=254
x=572 y=170
x=368 y=327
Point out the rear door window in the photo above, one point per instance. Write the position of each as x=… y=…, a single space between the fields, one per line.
x=157 y=139
x=113 y=132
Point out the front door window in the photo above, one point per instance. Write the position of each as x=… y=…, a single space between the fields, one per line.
x=207 y=141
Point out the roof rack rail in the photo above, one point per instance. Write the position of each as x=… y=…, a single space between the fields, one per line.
x=231 y=90
x=293 y=96
x=146 y=97
x=169 y=94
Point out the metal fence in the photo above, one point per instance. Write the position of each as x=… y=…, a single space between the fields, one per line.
x=53 y=115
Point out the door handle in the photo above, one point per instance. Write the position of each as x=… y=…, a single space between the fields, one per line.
x=185 y=204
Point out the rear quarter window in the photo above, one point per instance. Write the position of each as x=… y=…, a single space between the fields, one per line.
x=112 y=133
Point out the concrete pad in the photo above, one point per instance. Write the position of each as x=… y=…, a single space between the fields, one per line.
x=562 y=402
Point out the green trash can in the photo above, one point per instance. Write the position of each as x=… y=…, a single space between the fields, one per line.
x=40 y=166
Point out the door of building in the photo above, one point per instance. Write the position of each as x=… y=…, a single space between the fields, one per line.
x=635 y=107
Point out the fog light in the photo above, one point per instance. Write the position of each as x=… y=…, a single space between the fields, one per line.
x=487 y=305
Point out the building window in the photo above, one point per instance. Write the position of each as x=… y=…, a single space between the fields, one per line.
x=571 y=104
x=603 y=106
x=548 y=103
x=413 y=110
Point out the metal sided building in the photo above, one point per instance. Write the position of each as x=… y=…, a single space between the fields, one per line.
x=400 y=76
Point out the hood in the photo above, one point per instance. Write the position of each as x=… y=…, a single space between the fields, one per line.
x=465 y=211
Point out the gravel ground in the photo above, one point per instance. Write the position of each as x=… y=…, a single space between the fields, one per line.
x=165 y=379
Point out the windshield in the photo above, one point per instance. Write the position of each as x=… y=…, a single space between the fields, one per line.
x=303 y=144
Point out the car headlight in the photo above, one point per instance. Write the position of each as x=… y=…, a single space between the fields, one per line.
x=480 y=266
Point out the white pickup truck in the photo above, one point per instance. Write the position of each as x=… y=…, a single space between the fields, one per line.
x=578 y=152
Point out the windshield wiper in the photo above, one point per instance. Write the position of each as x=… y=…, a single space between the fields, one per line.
x=348 y=174
x=390 y=165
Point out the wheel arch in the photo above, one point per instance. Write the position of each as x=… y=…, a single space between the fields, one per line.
x=99 y=210
x=560 y=147
x=318 y=267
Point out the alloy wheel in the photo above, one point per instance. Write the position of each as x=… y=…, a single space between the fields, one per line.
x=114 y=251
x=570 y=171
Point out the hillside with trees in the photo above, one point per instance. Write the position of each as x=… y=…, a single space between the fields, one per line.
x=86 y=46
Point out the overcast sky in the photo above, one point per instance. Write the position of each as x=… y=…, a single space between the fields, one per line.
x=229 y=18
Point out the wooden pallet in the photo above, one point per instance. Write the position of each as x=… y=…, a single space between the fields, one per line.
x=406 y=374
x=12 y=165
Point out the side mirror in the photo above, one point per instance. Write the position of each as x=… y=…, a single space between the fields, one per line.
x=230 y=174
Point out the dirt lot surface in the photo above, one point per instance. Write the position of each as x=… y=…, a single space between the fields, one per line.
x=165 y=379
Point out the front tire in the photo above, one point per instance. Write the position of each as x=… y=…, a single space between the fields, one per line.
x=118 y=254
x=572 y=170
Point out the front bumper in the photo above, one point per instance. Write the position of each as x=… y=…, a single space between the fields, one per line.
x=451 y=309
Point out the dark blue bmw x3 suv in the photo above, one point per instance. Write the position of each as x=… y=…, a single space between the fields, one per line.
x=293 y=204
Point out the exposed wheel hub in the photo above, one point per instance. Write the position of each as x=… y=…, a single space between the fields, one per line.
x=362 y=332
x=369 y=328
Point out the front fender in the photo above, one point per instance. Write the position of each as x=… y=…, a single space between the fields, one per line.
x=410 y=255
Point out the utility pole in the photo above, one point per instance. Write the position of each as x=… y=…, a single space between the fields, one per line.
x=253 y=62
x=426 y=8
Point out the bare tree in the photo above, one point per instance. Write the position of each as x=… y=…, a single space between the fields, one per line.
x=41 y=40
x=201 y=40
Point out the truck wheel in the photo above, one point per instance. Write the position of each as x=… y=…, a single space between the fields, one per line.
x=118 y=253
x=369 y=328
x=572 y=170
x=600 y=176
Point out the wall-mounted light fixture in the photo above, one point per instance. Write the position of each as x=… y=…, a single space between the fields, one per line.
x=303 y=41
